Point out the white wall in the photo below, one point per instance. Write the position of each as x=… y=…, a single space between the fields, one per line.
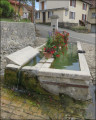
x=78 y=12
x=57 y=4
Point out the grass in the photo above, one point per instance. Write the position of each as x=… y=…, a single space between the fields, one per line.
x=6 y=19
x=79 y=28
x=12 y=20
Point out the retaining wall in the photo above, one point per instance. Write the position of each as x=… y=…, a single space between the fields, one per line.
x=15 y=36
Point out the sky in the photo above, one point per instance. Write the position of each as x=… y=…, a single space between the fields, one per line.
x=37 y=5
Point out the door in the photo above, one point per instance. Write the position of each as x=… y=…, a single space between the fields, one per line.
x=93 y=28
x=42 y=5
x=44 y=16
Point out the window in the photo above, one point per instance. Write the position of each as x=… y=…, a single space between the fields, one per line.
x=84 y=6
x=66 y=12
x=73 y=3
x=83 y=17
x=93 y=15
x=72 y=15
x=38 y=15
x=50 y=13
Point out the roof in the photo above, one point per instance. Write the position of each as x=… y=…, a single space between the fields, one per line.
x=93 y=3
x=62 y=8
x=29 y=8
x=86 y=1
x=14 y=2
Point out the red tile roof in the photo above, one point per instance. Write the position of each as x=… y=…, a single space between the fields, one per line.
x=29 y=8
x=14 y=2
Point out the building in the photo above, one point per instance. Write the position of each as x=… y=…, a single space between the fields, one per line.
x=69 y=12
x=92 y=16
x=15 y=5
x=25 y=10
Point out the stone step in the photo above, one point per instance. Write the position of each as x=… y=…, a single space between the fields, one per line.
x=22 y=56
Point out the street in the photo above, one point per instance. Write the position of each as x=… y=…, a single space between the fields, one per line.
x=74 y=36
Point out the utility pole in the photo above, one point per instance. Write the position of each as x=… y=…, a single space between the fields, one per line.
x=33 y=9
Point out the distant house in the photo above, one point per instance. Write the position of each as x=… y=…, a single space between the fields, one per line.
x=15 y=5
x=70 y=12
x=25 y=10
x=92 y=16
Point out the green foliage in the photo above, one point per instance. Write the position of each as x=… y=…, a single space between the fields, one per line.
x=49 y=42
x=78 y=28
x=7 y=10
x=56 y=44
x=0 y=12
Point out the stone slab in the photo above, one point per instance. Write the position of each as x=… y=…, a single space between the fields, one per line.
x=12 y=66
x=22 y=56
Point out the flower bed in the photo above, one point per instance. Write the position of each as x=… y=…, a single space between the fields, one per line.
x=56 y=43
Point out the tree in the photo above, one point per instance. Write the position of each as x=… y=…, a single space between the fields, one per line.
x=32 y=3
x=6 y=9
x=19 y=7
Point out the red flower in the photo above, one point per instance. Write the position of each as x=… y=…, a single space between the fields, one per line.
x=68 y=34
x=44 y=48
x=58 y=55
x=54 y=46
x=63 y=53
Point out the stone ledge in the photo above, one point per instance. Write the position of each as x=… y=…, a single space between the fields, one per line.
x=12 y=66
x=22 y=56
x=63 y=73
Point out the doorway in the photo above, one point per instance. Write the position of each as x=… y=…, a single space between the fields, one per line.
x=44 y=17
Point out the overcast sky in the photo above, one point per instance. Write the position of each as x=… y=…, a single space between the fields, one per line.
x=37 y=5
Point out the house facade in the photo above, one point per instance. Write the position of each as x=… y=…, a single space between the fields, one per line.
x=15 y=5
x=92 y=17
x=25 y=10
x=71 y=11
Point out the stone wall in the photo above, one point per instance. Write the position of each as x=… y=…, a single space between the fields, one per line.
x=15 y=36
x=66 y=24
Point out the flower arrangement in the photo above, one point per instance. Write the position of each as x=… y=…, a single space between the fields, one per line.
x=56 y=45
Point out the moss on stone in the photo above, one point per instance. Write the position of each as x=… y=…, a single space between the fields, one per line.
x=32 y=84
x=10 y=77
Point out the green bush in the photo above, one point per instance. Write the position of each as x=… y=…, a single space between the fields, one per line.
x=7 y=9
x=0 y=12
x=78 y=28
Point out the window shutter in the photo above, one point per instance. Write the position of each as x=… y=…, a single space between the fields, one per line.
x=85 y=17
x=74 y=15
x=39 y=14
x=82 y=16
x=70 y=15
x=48 y=14
x=86 y=6
x=83 y=6
x=70 y=2
x=75 y=3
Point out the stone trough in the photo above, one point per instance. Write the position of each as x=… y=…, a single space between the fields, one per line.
x=56 y=81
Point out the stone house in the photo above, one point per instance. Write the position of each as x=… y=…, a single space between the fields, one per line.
x=70 y=12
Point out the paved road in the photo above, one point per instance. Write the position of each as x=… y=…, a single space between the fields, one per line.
x=74 y=36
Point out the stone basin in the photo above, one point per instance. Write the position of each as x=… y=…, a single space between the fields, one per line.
x=57 y=81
